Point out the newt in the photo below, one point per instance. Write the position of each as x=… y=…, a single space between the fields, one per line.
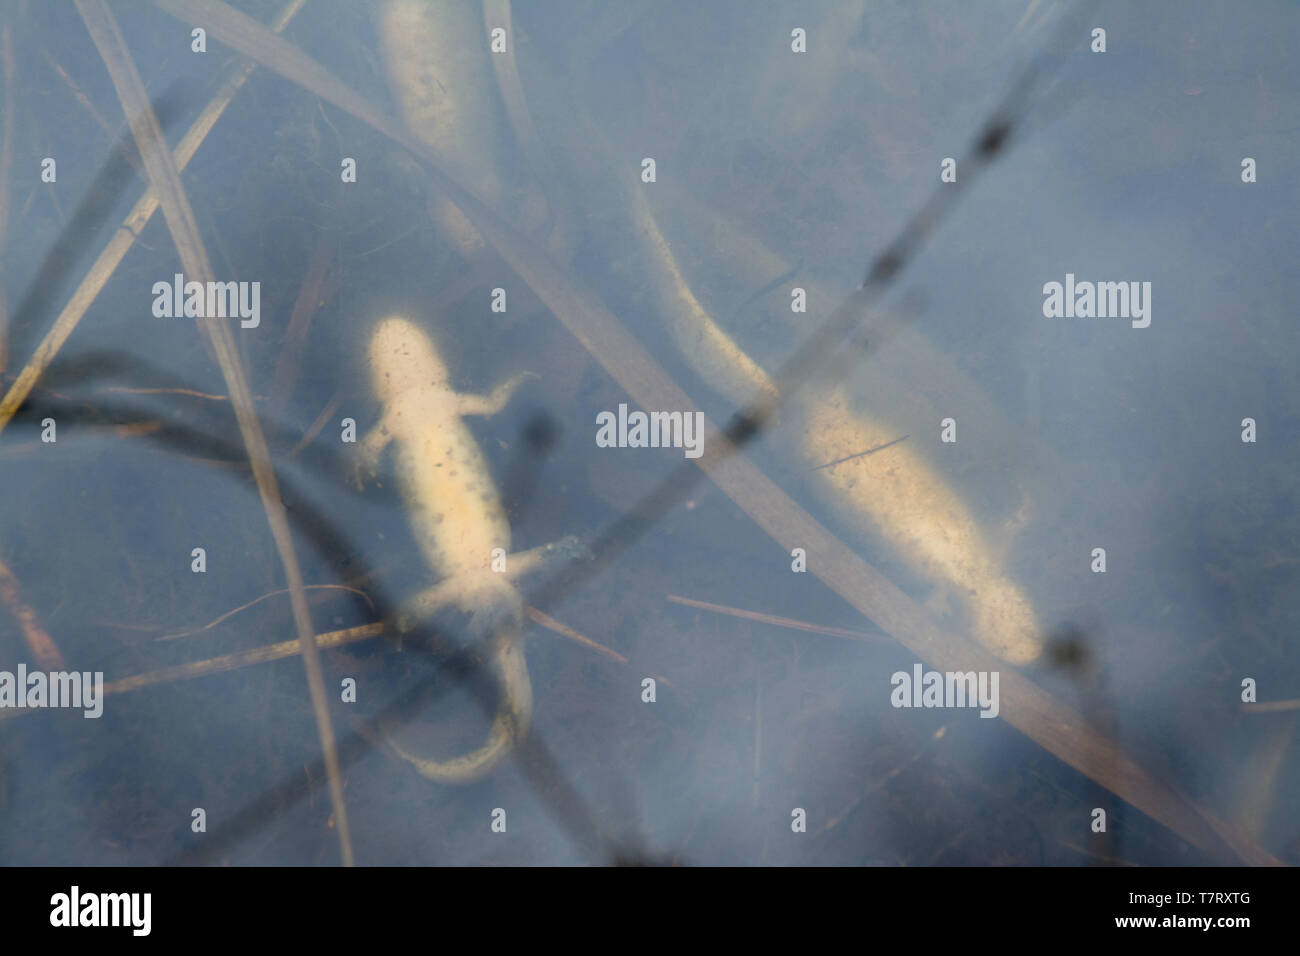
x=458 y=521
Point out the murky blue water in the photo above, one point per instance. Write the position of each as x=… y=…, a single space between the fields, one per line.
x=769 y=163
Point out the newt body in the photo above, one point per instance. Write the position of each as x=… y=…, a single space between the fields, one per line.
x=457 y=518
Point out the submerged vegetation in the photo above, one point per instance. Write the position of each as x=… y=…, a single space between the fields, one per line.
x=671 y=210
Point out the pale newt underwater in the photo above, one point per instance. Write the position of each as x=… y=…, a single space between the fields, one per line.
x=439 y=75
x=457 y=519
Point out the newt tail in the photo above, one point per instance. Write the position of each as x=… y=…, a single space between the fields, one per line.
x=509 y=668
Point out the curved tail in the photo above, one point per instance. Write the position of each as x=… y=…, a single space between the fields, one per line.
x=504 y=614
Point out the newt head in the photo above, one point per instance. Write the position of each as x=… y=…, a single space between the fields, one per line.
x=403 y=357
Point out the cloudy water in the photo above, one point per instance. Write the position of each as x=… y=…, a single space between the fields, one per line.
x=1008 y=575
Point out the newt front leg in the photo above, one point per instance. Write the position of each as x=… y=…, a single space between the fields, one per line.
x=491 y=404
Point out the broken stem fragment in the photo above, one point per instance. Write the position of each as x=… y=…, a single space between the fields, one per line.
x=861 y=454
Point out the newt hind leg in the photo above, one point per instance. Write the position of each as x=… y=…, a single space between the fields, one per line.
x=495 y=611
